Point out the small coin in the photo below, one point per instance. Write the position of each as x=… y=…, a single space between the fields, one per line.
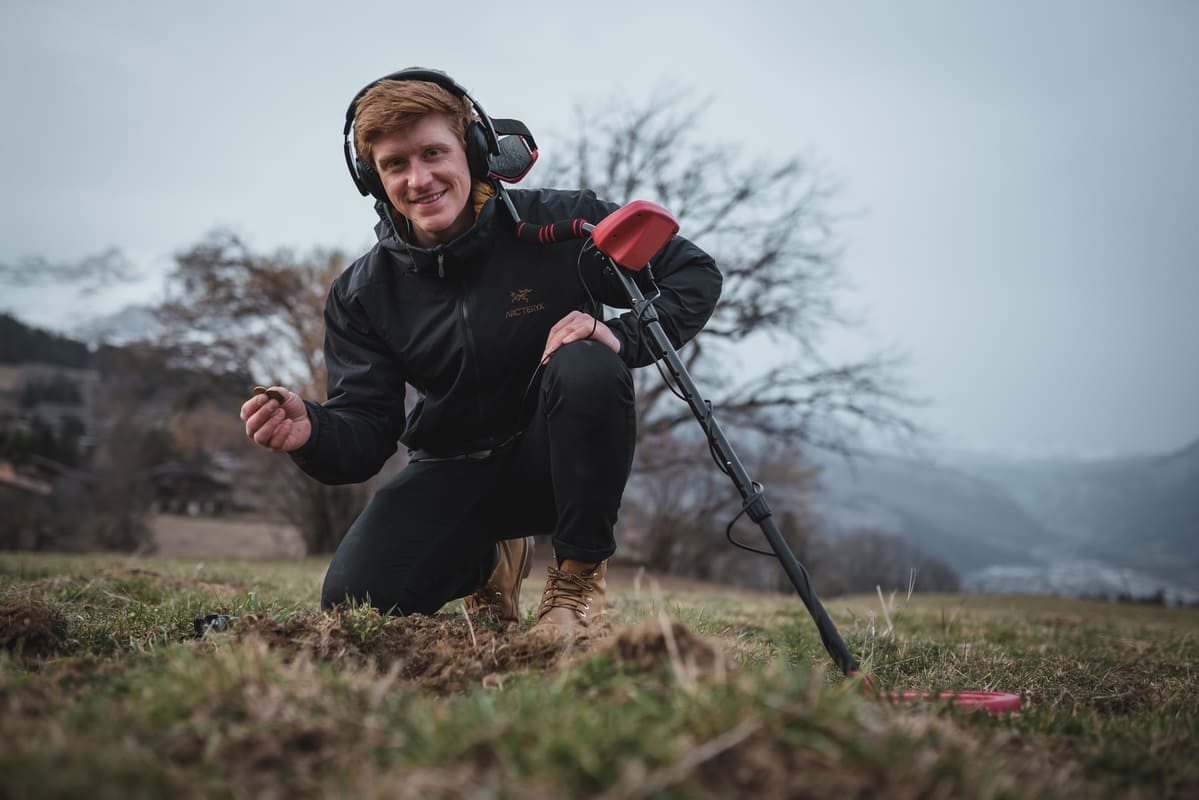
x=274 y=394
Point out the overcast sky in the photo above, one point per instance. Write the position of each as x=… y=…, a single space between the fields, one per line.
x=1019 y=179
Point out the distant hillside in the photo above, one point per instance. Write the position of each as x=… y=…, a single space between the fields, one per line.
x=966 y=522
x=1142 y=511
x=130 y=323
x=21 y=344
x=1126 y=525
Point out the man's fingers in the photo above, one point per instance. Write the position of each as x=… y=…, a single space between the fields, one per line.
x=266 y=395
x=266 y=428
x=260 y=430
x=563 y=323
x=265 y=410
x=574 y=326
x=275 y=418
x=282 y=431
x=252 y=405
x=571 y=323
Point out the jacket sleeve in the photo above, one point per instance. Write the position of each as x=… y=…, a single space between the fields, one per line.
x=357 y=428
x=687 y=286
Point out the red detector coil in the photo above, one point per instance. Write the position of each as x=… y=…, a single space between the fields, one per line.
x=631 y=234
x=993 y=702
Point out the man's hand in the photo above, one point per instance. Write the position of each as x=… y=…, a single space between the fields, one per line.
x=575 y=326
x=279 y=426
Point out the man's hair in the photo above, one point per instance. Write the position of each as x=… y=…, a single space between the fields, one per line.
x=392 y=105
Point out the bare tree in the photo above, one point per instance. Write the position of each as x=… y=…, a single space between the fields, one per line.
x=870 y=559
x=769 y=224
x=770 y=227
x=229 y=309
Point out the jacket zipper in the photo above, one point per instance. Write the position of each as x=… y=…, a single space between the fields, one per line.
x=472 y=355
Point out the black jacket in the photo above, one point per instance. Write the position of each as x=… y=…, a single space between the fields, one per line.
x=465 y=324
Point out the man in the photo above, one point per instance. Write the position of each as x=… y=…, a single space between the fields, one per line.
x=524 y=421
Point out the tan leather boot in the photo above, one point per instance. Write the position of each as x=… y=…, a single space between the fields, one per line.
x=499 y=598
x=574 y=599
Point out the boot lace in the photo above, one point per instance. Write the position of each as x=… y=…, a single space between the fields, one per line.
x=566 y=590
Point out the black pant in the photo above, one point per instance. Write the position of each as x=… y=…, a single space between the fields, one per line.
x=429 y=534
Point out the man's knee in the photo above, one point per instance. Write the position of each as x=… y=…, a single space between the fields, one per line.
x=588 y=368
x=342 y=589
x=419 y=583
x=387 y=602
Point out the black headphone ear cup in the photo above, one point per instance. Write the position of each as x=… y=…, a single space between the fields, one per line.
x=476 y=151
x=370 y=180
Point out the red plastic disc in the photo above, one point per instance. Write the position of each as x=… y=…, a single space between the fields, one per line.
x=993 y=702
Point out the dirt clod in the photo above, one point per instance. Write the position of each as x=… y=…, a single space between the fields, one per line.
x=31 y=628
x=659 y=643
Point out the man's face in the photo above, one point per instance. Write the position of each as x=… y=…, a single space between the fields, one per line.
x=424 y=172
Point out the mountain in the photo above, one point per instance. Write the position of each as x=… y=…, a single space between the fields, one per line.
x=130 y=323
x=966 y=522
x=1119 y=526
x=1140 y=511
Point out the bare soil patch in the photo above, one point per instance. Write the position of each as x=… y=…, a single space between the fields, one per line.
x=448 y=653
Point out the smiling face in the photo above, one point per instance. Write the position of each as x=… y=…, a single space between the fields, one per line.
x=425 y=174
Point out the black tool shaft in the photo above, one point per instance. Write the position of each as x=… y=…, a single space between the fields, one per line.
x=756 y=506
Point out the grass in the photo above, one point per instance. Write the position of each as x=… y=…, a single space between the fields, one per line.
x=106 y=691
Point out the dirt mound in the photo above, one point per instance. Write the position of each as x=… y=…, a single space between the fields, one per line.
x=657 y=644
x=32 y=629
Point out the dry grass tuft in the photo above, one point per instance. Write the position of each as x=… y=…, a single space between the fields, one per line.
x=32 y=629
x=443 y=653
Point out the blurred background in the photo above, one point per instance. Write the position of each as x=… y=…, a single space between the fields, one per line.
x=958 y=335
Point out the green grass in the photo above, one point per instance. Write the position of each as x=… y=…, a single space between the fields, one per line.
x=105 y=691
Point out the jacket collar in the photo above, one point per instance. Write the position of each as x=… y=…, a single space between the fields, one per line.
x=443 y=259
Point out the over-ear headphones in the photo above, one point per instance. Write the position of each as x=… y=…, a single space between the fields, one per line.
x=481 y=140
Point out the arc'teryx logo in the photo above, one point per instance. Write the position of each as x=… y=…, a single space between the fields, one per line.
x=522 y=296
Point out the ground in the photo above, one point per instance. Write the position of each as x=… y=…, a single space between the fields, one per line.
x=108 y=688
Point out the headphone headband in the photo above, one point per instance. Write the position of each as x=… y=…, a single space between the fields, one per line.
x=482 y=141
x=428 y=76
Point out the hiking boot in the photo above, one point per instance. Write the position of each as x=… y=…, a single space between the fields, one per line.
x=573 y=600
x=499 y=598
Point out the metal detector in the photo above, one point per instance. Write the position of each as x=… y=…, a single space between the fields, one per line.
x=627 y=239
